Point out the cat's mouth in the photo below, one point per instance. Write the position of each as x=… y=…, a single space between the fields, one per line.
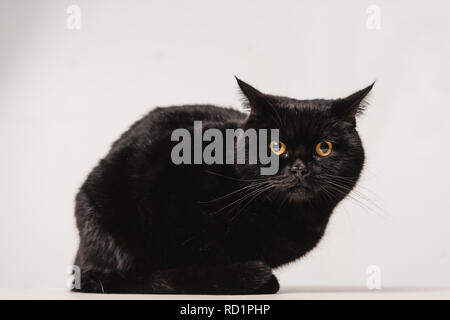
x=299 y=192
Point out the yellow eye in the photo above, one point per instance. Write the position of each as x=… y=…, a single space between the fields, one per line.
x=324 y=148
x=277 y=147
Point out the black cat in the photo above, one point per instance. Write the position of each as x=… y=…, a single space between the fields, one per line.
x=147 y=225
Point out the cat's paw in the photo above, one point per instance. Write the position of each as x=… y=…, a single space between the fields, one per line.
x=91 y=282
x=249 y=277
x=270 y=287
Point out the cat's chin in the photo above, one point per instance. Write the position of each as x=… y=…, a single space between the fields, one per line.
x=298 y=194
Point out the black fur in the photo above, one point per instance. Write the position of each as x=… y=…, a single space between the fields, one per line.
x=149 y=226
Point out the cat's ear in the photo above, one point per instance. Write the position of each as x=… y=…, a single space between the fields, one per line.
x=353 y=105
x=255 y=100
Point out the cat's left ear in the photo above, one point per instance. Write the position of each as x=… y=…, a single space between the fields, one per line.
x=353 y=105
x=256 y=101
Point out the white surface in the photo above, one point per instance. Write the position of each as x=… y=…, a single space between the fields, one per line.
x=290 y=293
x=66 y=95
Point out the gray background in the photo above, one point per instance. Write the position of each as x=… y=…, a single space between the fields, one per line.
x=66 y=95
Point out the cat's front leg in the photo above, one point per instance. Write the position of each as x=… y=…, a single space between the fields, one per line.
x=251 y=277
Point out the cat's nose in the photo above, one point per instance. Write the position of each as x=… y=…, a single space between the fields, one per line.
x=299 y=168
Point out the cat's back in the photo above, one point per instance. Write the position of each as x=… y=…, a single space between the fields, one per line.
x=197 y=112
x=160 y=122
x=184 y=116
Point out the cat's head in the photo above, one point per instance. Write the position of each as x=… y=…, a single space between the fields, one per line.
x=320 y=151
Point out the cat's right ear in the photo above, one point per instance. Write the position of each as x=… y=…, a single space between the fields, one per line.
x=254 y=100
x=348 y=108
